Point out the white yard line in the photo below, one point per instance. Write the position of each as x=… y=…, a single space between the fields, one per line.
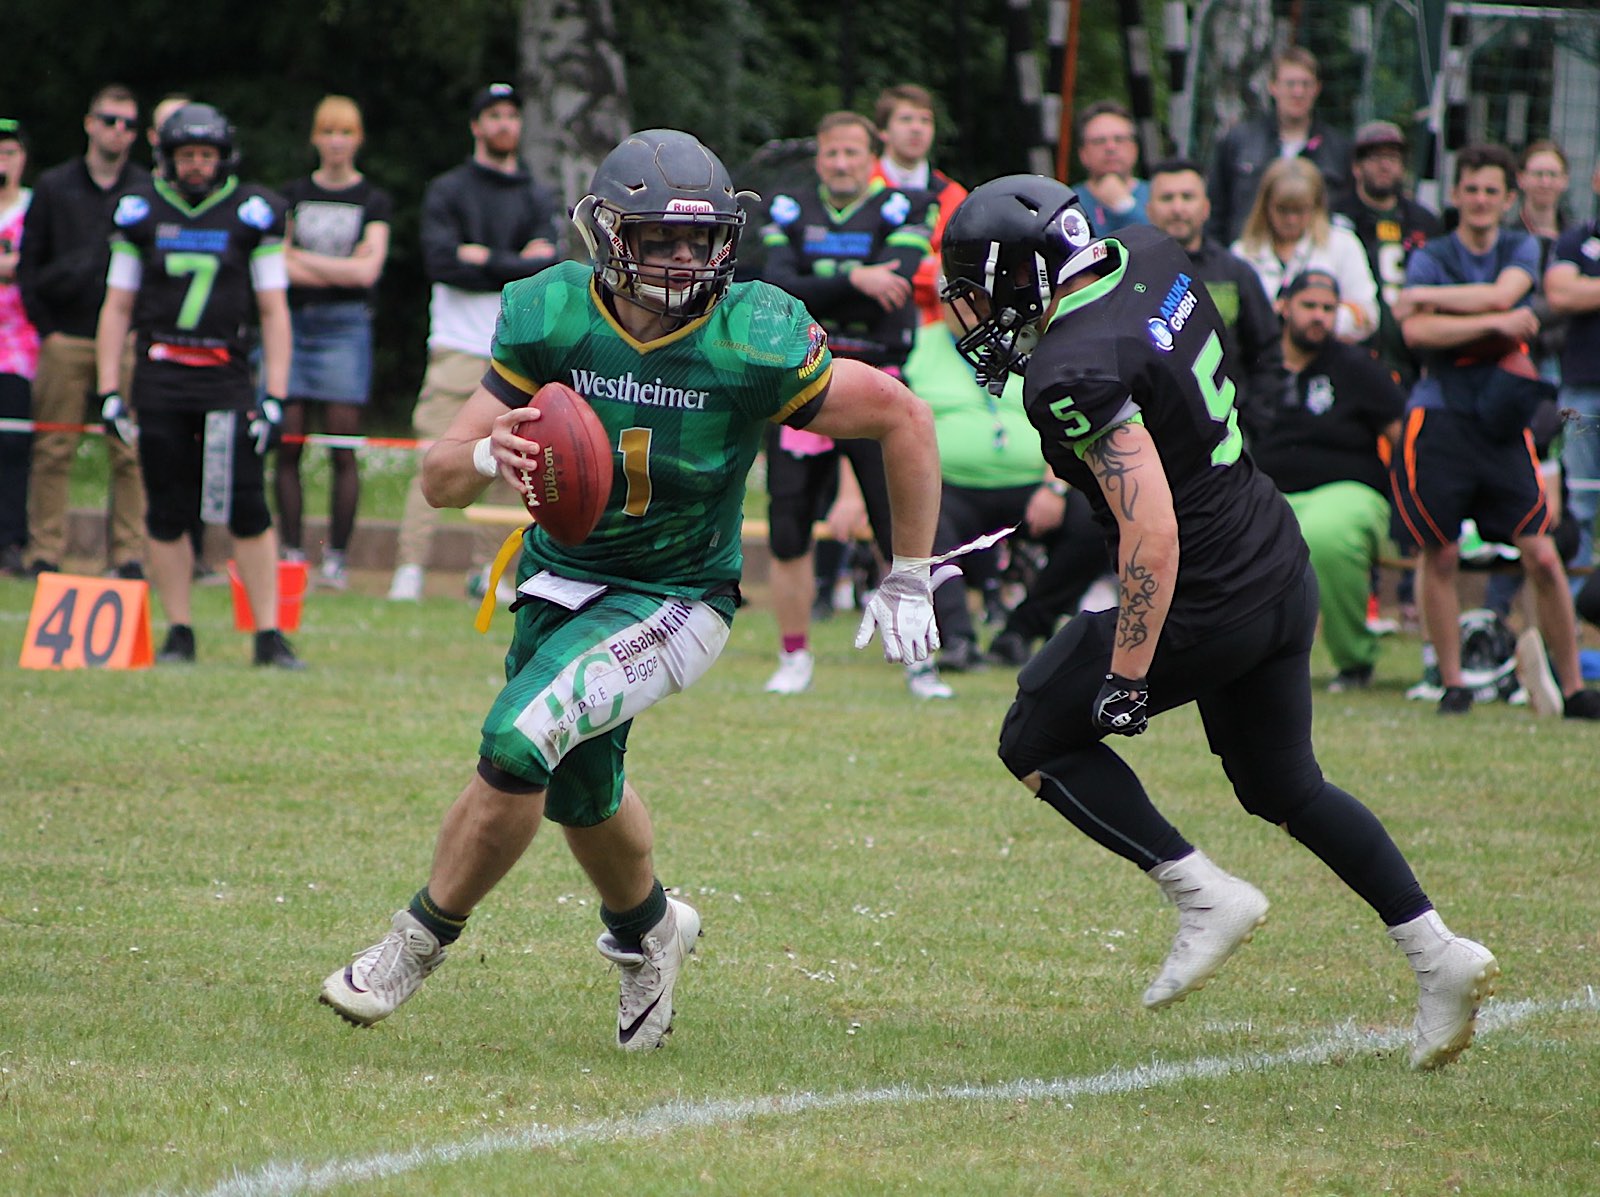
x=286 y=1179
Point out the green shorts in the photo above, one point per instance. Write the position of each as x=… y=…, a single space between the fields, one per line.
x=576 y=679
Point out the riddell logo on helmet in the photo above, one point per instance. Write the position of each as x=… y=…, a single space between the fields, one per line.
x=692 y=207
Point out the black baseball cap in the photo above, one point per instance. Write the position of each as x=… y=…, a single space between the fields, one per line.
x=495 y=93
x=1306 y=279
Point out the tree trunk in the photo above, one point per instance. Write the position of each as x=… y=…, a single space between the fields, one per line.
x=575 y=89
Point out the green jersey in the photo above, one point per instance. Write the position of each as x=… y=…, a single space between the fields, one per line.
x=685 y=414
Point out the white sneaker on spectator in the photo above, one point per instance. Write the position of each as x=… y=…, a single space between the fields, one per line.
x=793 y=675
x=331 y=574
x=406 y=585
x=1533 y=671
x=924 y=682
x=1216 y=913
x=1454 y=975
x=644 y=1009
x=373 y=985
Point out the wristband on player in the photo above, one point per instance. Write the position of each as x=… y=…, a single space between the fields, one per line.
x=483 y=458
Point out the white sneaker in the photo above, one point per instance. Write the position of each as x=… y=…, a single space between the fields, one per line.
x=1454 y=975
x=331 y=574
x=1533 y=671
x=1216 y=913
x=406 y=586
x=793 y=675
x=924 y=682
x=386 y=974
x=644 y=1011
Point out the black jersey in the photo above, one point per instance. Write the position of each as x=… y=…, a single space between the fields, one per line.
x=1145 y=344
x=196 y=301
x=812 y=247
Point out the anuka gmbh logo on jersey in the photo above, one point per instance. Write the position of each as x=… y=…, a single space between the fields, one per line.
x=1176 y=309
x=628 y=389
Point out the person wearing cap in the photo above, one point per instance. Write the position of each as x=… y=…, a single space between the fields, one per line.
x=1391 y=226
x=62 y=273
x=1290 y=130
x=19 y=348
x=485 y=223
x=1325 y=440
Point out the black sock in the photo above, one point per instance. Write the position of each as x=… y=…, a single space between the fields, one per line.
x=445 y=926
x=629 y=926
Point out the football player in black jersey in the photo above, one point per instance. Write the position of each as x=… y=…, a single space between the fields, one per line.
x=196 y=256
x=1121 y=353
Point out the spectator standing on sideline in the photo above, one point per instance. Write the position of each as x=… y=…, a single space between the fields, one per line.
x=484 y=224
x=1542 y=181
x=1391 y=226
x=338 y=242
x=195 y=254
x=63 y=277
x=19 y=350
x=1291 y=130
x=1572 y=289
x=848 y=249
x=1178 y=207
x=905 y=119
x=642 y=608
x=1289 y=230
x=1108 y=147
x=1466 y=449
x=1122 y=379
x=1326 y=442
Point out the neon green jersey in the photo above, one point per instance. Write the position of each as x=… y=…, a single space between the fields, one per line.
x=685 y=414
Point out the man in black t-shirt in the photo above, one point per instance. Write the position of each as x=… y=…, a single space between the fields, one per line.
x=1121 y=353
x=196 y=257
x=1324 y=439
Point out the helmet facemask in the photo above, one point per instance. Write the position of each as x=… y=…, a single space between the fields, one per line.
x=612 y=237
x=999 y=316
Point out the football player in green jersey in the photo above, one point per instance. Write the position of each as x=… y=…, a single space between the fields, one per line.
x=1121 y=355
x=685 y=370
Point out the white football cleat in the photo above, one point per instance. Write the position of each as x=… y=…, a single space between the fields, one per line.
x=1216 y=913
x=1454 y=975
x=372 y=986
x=644 y=1010
x=793 y=675
x=924 y=682
x=406 y=585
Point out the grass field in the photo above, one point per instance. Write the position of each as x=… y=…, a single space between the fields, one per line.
x=914 y=977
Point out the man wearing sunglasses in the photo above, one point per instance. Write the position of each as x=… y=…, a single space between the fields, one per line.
x=62 y=273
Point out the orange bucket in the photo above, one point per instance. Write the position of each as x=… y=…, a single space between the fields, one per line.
x=292 y=578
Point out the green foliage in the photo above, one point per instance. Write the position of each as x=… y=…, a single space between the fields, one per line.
x=189 y=851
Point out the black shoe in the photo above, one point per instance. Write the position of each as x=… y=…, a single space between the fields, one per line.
x=1457 y=700
x=1585 y=704
x=128 y=571
x=272 y=649
x=179 y=646
x=1010 y=649
x=1356 y=677
x=40 y=566
x=821 y=609
x=959 y=656
x=11 y=561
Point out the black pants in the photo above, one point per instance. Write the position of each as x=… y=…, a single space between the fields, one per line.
x=16 y=449
x=1252 y=683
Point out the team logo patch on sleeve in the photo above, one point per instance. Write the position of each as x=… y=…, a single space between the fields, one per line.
x=896 y=208
x=814 y=351
x=256 y=213
x=785 y=209
x=131 y=209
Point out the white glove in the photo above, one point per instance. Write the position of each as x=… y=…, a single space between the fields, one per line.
x=902 y=609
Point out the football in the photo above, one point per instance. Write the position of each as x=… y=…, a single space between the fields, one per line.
x=567 y=491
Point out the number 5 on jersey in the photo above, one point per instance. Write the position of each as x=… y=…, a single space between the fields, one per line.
x=87 y=623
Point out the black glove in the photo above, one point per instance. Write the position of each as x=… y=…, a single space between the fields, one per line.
x=1120 y=705
x=266 y=425
x=117 y=418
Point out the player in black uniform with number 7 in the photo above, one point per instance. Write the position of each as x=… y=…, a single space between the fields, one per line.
x=1121 y=352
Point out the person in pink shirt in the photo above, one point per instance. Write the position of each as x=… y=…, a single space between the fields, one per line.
x=19 y=350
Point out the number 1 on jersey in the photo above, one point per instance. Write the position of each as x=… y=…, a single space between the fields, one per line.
x=635 y=446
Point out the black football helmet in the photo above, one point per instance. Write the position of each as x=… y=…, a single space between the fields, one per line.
x=1006 y=249
x=662 y=176
x=196 y=124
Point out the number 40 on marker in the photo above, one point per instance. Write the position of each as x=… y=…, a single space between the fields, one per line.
x=88 y=623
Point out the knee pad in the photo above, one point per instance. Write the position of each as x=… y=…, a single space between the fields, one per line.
x=1051 y=715
x=788 y=530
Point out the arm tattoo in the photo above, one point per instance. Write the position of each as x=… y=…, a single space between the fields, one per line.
x=1111 y=460
x=1138 y=595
